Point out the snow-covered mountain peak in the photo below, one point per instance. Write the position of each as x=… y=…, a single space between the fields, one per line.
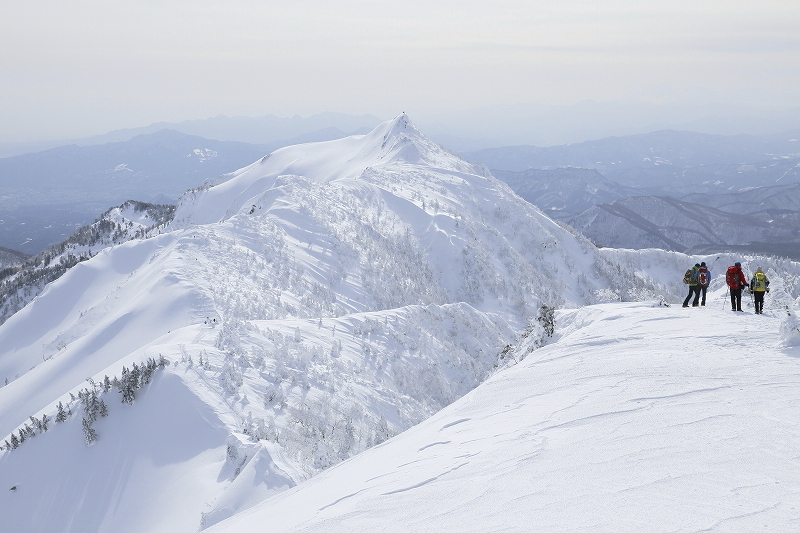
x=392 y=144
x=396 y=131
x=392 y=129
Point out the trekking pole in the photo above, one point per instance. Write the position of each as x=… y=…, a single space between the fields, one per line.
x=725 y=299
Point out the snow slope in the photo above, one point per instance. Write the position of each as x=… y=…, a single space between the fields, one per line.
x=636 y=419
x=131 y=220
x=311 y=306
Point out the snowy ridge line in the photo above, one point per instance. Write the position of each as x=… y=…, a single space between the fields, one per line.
x=131 y=220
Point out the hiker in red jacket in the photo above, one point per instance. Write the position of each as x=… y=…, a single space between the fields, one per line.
x=736 y=281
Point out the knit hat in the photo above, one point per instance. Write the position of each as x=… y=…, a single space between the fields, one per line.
x=759 y=269
x=703 y=264
x=737 y=263
x=697 y=265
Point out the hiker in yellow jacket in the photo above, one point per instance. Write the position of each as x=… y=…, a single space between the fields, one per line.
x=759 y=285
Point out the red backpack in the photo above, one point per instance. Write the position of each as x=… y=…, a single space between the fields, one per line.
x=702 y=276
x=732 y=277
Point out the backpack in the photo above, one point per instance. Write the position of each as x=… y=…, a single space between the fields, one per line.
x=732 y=277
x=702 y=276
x=758 y=282
x=687 y=278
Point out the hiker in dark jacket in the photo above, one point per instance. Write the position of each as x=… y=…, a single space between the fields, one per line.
x=736 y=281
x=694 y=288
x=758 y=286
x=703 y=280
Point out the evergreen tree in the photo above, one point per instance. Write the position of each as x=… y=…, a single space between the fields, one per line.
x=61 y=415
x=93 y=406
x=88 y=432
x=136 y=373
x=126 y=386
x=147 y=371
x=14 y=442
x=547 y=319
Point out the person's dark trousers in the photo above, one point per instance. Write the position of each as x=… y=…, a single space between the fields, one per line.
x=703 y=289
x=759 y=301
x=736 y=299
x=693 y=290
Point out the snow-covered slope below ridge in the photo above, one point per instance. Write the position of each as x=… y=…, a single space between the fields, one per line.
x=336 y=293
x=660 y=427
x=129 y=221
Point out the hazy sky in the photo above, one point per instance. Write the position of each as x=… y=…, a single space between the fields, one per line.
x=82 y=67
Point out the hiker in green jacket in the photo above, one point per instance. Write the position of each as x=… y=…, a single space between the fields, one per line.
x=690 y=278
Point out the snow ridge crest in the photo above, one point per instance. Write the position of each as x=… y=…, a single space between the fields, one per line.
x=400 y=125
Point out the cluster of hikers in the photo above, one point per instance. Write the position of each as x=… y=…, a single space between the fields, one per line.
x=699 y=276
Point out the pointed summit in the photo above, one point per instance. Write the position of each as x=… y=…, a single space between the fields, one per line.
x=394 y=142
x=400 y=125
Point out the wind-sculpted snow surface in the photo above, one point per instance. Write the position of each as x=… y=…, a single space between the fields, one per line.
x=636 y=419
x=313 y=304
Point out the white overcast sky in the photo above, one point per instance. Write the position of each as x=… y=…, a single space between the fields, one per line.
x=80 y=67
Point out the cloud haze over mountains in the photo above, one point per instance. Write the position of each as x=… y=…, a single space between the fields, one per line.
x=71 y=71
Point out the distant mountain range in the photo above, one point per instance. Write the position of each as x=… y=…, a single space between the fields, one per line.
x=47 y=195
x=670 y=224
x=680 y=191
x=556 y=125
x=677 y=148
x=764 y=220
x=252 y=130
x=11 y=258
x=564 y=193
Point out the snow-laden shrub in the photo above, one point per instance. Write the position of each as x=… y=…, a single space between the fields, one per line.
x=536 y=335
x=606 y=296
x=790 y=327
x=230 y=378
x=780 y=290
